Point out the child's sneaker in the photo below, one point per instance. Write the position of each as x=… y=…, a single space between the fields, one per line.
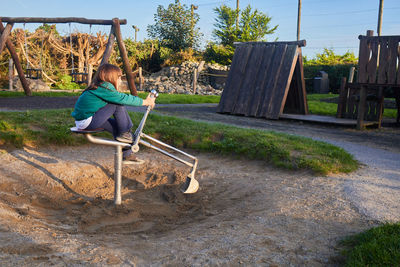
x=125 y=138
x=132 y=159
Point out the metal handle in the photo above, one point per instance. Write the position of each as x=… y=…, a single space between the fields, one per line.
x=138 y=132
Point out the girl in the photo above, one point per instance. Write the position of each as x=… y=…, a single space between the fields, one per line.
x=101 y=100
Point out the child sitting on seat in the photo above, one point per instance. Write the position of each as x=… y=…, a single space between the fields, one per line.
x=101 y=100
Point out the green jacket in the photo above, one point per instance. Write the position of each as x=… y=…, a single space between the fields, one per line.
x=91 y=101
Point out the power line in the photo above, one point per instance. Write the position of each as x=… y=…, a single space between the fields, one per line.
x=214 y=3
x=350 y=12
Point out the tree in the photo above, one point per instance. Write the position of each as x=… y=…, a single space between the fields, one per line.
x=175 y=27
x=253 y=25
x=328 y=57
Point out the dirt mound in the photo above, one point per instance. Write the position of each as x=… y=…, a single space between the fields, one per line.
x=56 y=207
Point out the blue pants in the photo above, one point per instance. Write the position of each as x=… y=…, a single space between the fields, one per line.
x=119 y=124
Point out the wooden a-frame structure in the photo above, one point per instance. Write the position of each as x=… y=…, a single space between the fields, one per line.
x=115 y=33
x=265 y=80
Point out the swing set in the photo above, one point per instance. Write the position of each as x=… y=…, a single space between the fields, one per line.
x=77 y=77
x=33 y=73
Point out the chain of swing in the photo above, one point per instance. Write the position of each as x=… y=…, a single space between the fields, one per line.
x=78 y=77
x=33 y=73
x=36 y=73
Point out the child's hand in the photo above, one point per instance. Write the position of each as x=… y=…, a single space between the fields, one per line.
x=149 y=101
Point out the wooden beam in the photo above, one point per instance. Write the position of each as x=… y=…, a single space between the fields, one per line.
x=4 y=36
x=300 y=43
x=107 y=52
x=128 y=70
x=14 y=56
x=361 y=108
x=60 y=20
x=109 y=47
x=342 y=103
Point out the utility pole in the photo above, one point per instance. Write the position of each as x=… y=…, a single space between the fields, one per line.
x=380 y=17
x=237 y=14
x=192 y=9
x=298 y=20
x=136 y=30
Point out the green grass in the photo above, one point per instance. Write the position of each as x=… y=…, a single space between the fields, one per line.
x=162 y=99
x=46 y=94
x=379 y=246
x=44 y=127
x=315 y=105
x=318 y=107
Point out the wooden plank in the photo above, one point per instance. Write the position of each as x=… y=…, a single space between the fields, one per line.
x=296 y=99
x=379 y=38
x=352 y=103
x=299 y=74
x=372 y=64
x=299 y=43
x=17 y=63
x=284 y=80
x=4 y=36
x=108 y=51
x=261 y=79
x=237 y=79
x=372 y=85
x=361 y=108
x=392 y=61
x=124 y=55
x=363 y=59
x=383 y=63
x=226 y=93
x=60 y=20
x=341 y=109
x=398 y=69
x=247 y=88
x=324 y=119
x=277 y=61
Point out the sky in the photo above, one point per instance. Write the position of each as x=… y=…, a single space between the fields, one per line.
x=332 y=24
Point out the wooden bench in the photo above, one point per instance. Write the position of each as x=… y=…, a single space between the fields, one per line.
x=378 y=73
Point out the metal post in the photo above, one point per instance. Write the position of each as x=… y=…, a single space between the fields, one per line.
x=10 y=74
x=194 y=81
x=140 y=79
x=117 y=174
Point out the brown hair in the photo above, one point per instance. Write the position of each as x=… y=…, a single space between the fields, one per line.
x=106 y=73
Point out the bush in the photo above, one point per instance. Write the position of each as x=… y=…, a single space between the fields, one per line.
x=65 y=82
x=335 y=74
x=178 y=57
x=219 y=54
x=337 y=66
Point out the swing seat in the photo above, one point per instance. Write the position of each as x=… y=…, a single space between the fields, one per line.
x=83 y=131
x=79 y=77
x=33 y=73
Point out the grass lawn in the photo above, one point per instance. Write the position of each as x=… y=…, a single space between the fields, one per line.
x=162 y=99
x=379 y=246
x=315 y=105
x=318 y=107
x=43 y=127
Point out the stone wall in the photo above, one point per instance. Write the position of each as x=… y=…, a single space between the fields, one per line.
x=34 y=84
x=179 y=79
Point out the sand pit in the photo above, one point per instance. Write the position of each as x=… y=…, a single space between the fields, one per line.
x=56 y=207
